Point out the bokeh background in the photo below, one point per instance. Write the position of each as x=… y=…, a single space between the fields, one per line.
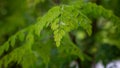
x=98 y=48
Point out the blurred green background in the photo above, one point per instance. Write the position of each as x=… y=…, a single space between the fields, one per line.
x=16 y=15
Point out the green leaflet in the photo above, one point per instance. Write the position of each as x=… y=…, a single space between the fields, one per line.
x=29 y=40
x=18 y=53
x=91 y=10
x=47 y=19
x=6 y=46
x=12 y=56
x=69 y=19
x=85 y=23
x=94 y=11
x=54 y=25
x=63 y=24
x=58 y=34
x=21 y=36
x=51 y=15
x=12 y=40
x=38 y=27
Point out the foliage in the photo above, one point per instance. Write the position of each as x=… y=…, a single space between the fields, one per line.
x=35 y=42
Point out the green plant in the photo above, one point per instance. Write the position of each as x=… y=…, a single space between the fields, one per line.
x=59 y=21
